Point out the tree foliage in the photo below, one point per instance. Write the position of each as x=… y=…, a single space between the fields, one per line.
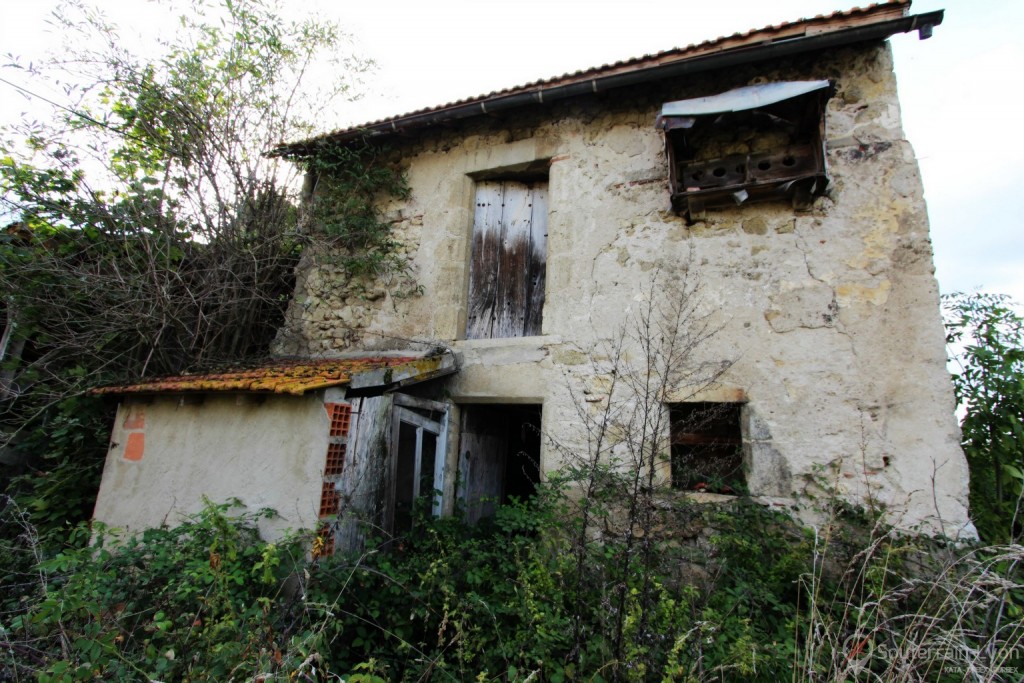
x=745 y=595
x=151 y=232
x=989 y=382
x=156 y=233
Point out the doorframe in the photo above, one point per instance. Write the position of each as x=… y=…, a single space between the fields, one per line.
x=405 y=409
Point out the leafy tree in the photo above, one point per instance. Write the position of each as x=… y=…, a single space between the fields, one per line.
x=155 y=229
x=154 y=233
x=989 y=384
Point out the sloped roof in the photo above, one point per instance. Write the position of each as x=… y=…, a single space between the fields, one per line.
x=296 y=377
x=874 y=22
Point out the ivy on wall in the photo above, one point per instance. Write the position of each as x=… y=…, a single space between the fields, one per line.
x=352 y=183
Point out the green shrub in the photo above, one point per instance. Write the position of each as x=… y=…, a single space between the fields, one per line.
x=737 y=592
x=201 y=601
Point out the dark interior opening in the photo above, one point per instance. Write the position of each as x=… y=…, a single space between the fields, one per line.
x=499 y=456
x=522 y=466
x=707 y=447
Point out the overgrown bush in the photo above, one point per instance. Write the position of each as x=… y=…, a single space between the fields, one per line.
x=145 y=230
x=744 y=594
x=205 y=600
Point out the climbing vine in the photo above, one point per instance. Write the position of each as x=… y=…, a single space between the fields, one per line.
x=351 y=184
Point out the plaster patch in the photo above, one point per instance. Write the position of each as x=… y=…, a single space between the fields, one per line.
x=852 y=293
x=569 y=357
x=878 y=243
x=810 y=307
x=135 y=447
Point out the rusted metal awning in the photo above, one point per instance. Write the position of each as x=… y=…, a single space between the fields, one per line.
x=298 y=376
x=740 y=99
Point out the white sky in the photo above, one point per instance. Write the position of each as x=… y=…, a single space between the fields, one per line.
x=959 y=90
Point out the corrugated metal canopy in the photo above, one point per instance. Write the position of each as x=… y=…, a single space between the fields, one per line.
x=742 y=99
x=296 y=377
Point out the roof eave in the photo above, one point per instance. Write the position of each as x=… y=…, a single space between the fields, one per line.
x=686 y=65
x=369 y=382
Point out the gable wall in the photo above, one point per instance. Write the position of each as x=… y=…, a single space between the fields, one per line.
x=829 y=317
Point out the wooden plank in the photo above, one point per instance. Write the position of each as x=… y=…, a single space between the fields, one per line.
x=417 y=464
x=408 y=401
x=483 y=271
x=364 y=481
x=439 y=467
x=513 y=261
x=406 y=415
x=392 y=482
x=483 y=447
x=508 y=260
x=538 y=259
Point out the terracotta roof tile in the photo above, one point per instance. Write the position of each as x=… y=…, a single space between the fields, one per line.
x=877 y=12
x=285 y=377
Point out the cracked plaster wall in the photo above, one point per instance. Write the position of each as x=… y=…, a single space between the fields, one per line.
x=830 y=316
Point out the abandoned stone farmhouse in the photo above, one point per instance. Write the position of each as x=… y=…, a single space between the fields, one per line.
x=725 y=245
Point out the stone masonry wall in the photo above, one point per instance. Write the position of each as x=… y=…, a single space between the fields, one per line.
x=829 y=317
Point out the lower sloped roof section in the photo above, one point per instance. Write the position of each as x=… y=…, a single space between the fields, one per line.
x=295 y=377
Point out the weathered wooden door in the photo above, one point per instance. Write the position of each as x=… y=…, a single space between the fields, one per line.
x=483 y=448
x=507 y=265
x=499 y=456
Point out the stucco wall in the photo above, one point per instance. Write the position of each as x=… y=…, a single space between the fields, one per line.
x=829 y=317
x=165 y=455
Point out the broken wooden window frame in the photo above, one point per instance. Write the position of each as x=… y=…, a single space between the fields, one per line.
x=796 y=170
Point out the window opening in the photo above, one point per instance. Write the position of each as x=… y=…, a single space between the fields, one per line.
x=499 y=456
x=417 y=457
x=756 y=143
x=707 y=447
x=508 y=259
